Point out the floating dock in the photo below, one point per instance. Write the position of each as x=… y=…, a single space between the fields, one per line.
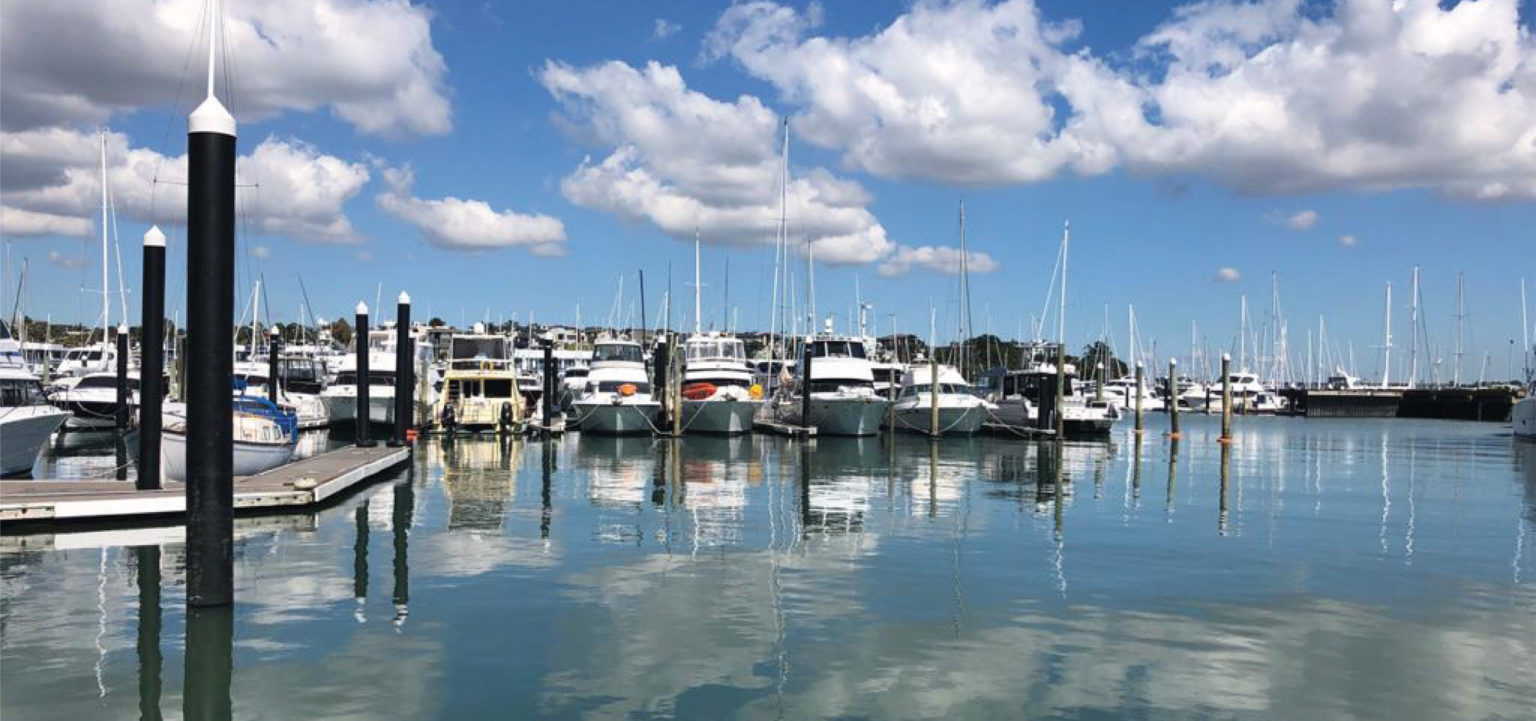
x=783 y=429
x=302 y=483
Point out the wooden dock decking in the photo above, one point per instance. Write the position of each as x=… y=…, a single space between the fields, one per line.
x=301 y=483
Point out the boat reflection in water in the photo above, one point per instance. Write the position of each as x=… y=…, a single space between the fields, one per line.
x=760 y=577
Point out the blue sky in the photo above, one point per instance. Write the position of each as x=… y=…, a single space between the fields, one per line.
x=1411 y=137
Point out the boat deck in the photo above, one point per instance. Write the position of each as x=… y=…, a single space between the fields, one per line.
x=301 y=483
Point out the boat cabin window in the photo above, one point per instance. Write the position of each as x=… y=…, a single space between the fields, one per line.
x=836 y=349
x=375 y=378
x=577 y=372
x=498 y=388
x=618 y=352
x=21 y=392
x=468 y=348
x=613 y=386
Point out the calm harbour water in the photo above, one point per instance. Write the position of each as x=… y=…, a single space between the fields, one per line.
x=1344 y=569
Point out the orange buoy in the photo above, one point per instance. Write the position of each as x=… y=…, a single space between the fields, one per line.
x=628 y=389
x=698 y=391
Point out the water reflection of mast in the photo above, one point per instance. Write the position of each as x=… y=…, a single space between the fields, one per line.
x=1386 y=496
x=1412 y=511
x=1058 y=536
x=101 y=623
x=148 y=562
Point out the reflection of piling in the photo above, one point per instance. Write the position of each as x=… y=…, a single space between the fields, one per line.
x=210 y=430
x=1221 y=516
x=360 y=553
x=360 y=338
x=1173 y=471
x=405 y=368
x=405 y=502
x=1136 y=469
x=545 y=493
x=805 y=483
x=1226 y=398
x=147 y=559
x=121 y=419
x=1173 y=397
x=209 y=663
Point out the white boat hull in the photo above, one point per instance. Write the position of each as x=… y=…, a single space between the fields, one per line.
x=838 y=417
x=249 y=458
x=727 y=417
x=342 y=410
x=25 y=430
x=1522 y=418
x=617 y=419
x=952 y=420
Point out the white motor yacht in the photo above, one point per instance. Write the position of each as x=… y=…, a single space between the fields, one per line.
x=843 y=401
x=1018 y=395
x=617 y=399
x=340 y=396
x=91 y=400
x=572 y=383
x=1121 y=393
x=960 y=412
x=27 y=419
x=1248 y=396
x=718 y=393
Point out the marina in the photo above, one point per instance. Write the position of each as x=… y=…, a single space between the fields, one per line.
x=1000 y=412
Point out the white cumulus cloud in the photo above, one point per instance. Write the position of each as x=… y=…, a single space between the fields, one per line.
x=19 y=222
x=1302 y=219
x=1228 y=275
x=1348 y=240
x=938 y=259
x=288 y=187
x=78 y=62
x=1272 y=96
x=461 y=224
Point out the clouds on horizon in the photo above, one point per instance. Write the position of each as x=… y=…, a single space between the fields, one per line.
x=459 y=224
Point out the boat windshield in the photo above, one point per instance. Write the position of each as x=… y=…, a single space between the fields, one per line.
x=925 y=389
x=375 y=378
x=836 y=349
x=105 y=381
x=716 y=349
x=21 y=392
x=617 y=352
x=489 y=348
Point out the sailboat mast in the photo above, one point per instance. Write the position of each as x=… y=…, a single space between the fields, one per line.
x=1242 y=334
x=1413 y=329
x=106 y=296
x=1061 y=310
x=1386 y=362
x=1461 y=315
x=698 y=307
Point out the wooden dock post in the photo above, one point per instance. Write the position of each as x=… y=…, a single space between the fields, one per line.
x=210 y=429
x=1226 y=398
x=360 y=340
x=121 y=412
x=405 y=367
x=152 y=364
x=678 y=365
x=1173 y=395
x=1140 y=373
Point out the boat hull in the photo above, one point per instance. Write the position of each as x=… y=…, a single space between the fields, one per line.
x=26 y=430
x=838 y=417
x=720 y=417
x=1522 y=418
x=954 y=421
x=619 y=419
x=249 y=458
x=341 y=410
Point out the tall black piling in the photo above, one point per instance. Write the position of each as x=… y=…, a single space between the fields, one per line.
x=360 y=335
x=661 y=357
x=210 y=428
x=805 y=387
x=121 y=419
x=549 y=386
x=274 y=383
x=147 y=558
x=152 y=362
x=405 y=367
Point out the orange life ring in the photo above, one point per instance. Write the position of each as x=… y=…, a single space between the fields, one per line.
x=628 y=389
x=698 y=391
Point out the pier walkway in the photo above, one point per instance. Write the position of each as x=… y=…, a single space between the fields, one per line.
x=301 y=483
